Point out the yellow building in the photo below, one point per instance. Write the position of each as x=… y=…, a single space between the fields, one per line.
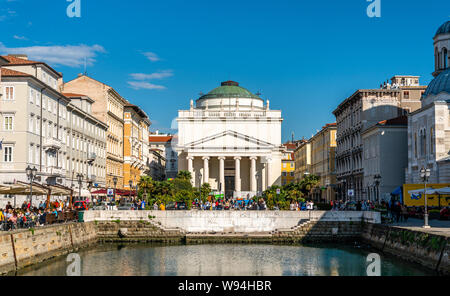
x=109 y=108
x=323 y=149
x=136 y=145
x=288 y=164
x=302 y=157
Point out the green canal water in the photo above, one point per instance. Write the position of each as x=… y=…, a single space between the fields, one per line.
x=226 y=260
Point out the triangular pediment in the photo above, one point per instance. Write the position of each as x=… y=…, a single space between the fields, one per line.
x=231 y=139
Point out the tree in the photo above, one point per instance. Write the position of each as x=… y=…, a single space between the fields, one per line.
x=186 y=175
x=308 y=183
x=146 y=185
x=205 y=191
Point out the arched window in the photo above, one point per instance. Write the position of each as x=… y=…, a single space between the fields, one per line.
x=415 y=145
x=445 y=57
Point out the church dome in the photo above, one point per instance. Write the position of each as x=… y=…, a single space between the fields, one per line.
x=229 y=95
x=439 y=84
x=444 y=29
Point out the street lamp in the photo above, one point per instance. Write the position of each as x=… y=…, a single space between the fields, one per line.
x=377 y=179
x=80 y=182
x=115 y=185
x=31 y=174
x=425 y=175
x=131 y=187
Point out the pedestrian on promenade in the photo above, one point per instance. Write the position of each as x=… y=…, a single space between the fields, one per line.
x=405 y=213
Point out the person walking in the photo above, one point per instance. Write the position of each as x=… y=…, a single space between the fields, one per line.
x=405 y=213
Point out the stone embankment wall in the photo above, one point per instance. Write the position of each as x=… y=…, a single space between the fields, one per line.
x=27 y=247
x=137 y=231
x=231 y=221
x=427 y=249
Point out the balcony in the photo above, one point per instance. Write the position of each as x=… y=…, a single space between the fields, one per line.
x=91 y=157
x=52 y=144
x=55 y=171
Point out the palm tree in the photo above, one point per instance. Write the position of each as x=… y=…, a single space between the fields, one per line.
x=146 y=184
x=184 y=175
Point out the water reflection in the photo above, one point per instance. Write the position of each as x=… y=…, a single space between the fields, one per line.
x=225 y=260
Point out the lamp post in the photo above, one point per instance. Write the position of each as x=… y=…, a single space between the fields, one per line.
x=80 y=183
x=115 y=185
x=199 y=178
x=131 y=187
x=31 y=174
x=377 y=184
x=425 y=175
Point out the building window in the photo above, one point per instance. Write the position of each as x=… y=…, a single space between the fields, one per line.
x=415 y=145
x=406 y=94
x=31 y=95
x=8 y=154
x=431 y=141
x=9 y=93
x=30 y=154
x=31 y=124
x=8 y=123
x=445 y=54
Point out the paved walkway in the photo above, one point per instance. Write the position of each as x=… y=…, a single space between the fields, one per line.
x=437 y=227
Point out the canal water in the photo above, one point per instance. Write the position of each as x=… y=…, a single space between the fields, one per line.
x=226 y=260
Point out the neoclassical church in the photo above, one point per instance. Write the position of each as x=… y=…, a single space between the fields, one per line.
x=231 y=140
x=429 y=127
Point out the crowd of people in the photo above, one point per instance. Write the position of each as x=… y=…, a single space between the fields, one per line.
x=28 y=216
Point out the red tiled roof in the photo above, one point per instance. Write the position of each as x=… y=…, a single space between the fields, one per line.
x=13 y=73
x=402 y=120
x=290 y=145
x=160 y=139
x=18 y=61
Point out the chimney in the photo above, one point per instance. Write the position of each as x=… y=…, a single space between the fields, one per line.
x=19 y=56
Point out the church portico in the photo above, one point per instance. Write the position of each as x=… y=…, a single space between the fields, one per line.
x=232 y=141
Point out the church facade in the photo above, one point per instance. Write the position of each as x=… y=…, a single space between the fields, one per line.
x=231 y=139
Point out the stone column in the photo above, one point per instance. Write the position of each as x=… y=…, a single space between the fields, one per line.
x=238 y=174
x=263 y=176
x=222 y=173
x=268 y=171
x=253 y=185
x=190 y=160
x=205 y=169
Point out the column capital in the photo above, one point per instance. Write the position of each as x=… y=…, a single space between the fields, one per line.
x=222 y=158
x=237 y=158
x=190 y=157
x=253 y=157
x=206 y=158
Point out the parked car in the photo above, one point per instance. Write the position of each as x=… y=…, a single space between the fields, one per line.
x=445 y=213
x=105 y=206
x=80 y=206
x=176 y=206
x=126 y=207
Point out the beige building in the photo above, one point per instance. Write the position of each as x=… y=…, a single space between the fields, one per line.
x=85 y=138
x=323 y=149
x=360 y=111
x=302 y=156
x=108 y=107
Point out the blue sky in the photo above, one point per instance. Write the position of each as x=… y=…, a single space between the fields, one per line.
x=305 y=56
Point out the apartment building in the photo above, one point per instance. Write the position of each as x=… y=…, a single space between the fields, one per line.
x=86 y=144
x=288 y=163
x=162 y=144
x=136 y=145
x=363 y=109
x=108 y=107
x=323 y=149
x=33 y=119
x=302 y=160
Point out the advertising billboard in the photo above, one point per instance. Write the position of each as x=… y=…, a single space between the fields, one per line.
x=417 y=199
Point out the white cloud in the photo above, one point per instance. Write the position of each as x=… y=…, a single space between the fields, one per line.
x=152 y=56
x=156 y=75
x=20 y=37
x=145 y=85
x=65 y=55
